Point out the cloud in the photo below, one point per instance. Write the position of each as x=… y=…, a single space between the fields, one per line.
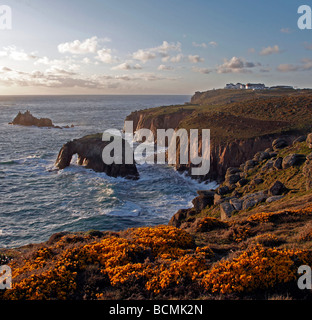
x=127 y=66
x=178 y=58
x=285 y=30
x=199 y=45
x=213 y=44
x=16 y=54
x=163 y=50
x=165 y=47
x=195 y=59
x=77 y=47
x=287 y=68
x=143 y=55
x=5 y=69
x=236 y=65
x=105 y=56
x=202 y=70
x=270 y=50
x=163 y=67
x=306 y=65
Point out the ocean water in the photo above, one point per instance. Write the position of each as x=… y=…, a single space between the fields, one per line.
x=36 y=202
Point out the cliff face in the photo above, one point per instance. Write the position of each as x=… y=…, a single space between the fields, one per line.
x=223 y=154
x=144 y=120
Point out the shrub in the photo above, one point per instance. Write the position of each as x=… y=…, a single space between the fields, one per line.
x=209 y=224
x=257 y=268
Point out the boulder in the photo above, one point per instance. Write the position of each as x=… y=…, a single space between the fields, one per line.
x=249 y=203
x=277 y=164
x=232 y=179
x=217 y=199
x=226 y=210
x=242 y=182
x=223 y=190
x=273 y=199
x=264 y=156
x=292 y=160
x=205 y=198
x=237 y=204
x=178 y=218
x=257 y=181
x=299 y=139
x=268 y=165
x=231 y=171
x=277 y=189
x=90 y=150
x=250 y=200
x=279 y=143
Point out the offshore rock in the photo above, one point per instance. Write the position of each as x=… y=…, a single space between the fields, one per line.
x=89 y=150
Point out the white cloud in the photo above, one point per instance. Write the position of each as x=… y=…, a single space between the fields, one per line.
x=163 y=67
x=143 y=55
x=16 y=54
x=199 y=45
x=195 y=59
x=270 y=50
x=166 y=47
x=236 y=65
x=202 y=70
x=178 y=58
x=105 y=56
x=213 y=44
x=77 y=47
x=127 y=66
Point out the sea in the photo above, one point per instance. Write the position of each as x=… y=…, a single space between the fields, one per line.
x=37 y=201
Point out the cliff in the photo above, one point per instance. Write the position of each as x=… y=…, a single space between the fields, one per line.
x=238 y=129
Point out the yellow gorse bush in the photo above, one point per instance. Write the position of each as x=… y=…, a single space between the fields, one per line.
x=272 y=216
x=259 y=268
x=159 y=259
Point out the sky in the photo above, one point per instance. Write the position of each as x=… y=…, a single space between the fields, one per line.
x=151 y=47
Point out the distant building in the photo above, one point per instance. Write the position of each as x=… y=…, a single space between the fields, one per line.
x=255 y=86
x=281 y=87
x=235 y=86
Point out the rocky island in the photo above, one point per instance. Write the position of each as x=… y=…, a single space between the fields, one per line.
x=27 y=119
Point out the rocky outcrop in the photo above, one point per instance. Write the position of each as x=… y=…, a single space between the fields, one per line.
x=89 y=150
x=241 y=192
x=27 y=119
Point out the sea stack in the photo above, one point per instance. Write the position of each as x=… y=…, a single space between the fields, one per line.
x=89 y=150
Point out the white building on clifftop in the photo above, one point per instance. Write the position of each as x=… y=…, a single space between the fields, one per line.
x=248 y=86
